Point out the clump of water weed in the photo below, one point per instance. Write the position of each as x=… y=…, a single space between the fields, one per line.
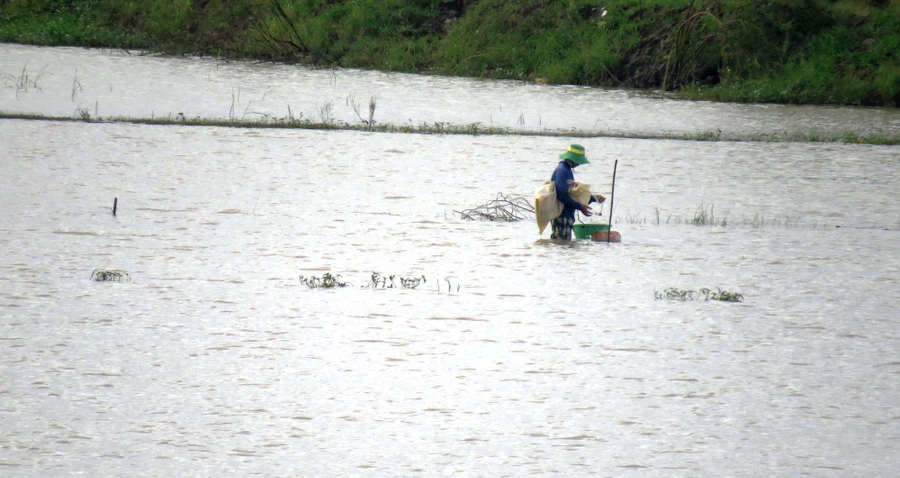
x=327 y=281
x=706 y=136
x=702 y=217
x=112 y=275
x=704 y=294
x=705 y=216
x=503 y=208
x=380 y=281
x=327 y=121
x=25 y=82
x=370 y=123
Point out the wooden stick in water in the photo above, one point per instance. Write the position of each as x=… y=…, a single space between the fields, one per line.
x=612 y=196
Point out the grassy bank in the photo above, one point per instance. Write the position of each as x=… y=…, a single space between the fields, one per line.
x=784 y=51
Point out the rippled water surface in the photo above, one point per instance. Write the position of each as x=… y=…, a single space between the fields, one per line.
x=517 y=357
x=69 y=81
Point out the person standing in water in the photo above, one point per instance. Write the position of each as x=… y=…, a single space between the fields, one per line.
x=564 y=179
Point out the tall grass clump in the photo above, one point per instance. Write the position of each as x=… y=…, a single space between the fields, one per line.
x=62 y=23
x=393 y=34
x=785 y=51
x=707 y=217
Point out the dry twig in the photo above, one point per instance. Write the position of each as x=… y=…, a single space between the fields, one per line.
x=504 y=208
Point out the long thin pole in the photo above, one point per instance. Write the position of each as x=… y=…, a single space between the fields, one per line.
x=612 y=197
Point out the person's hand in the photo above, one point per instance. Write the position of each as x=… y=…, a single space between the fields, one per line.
x=599 y=198
x=586 y=210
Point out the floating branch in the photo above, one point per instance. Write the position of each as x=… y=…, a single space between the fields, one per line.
x=701 y=294
x=327 y=281
x=113 y=275
x=504 y=208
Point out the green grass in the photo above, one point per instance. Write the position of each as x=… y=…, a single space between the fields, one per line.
x=63 y=29
x=783 y=51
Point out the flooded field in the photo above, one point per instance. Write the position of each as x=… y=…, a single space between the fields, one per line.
x=73 y=82
x=517 y=356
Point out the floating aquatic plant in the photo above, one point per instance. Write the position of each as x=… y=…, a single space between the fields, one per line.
x=327 y=281
x=376 y=281
x=704 y=294
x=411 y=282
x=112 y=275
x=380 y=281
x=503 y=208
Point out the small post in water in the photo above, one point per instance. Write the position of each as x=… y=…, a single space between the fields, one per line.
x=115 y=205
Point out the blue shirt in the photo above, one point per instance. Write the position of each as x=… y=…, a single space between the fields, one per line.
x=561 y=177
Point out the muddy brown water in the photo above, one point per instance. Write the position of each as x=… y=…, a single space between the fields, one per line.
x=517 y=356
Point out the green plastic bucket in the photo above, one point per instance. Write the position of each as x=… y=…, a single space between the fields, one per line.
x=584 y=231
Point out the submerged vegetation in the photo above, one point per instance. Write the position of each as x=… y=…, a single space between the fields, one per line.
x=291 y=122
x=786 y=51
x=111 y=275
x=376 y=281
x=703 y=294
x=706 y=216
x=380 y=281
x=327 y=281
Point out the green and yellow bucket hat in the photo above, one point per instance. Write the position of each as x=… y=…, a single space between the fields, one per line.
x=575 y=153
